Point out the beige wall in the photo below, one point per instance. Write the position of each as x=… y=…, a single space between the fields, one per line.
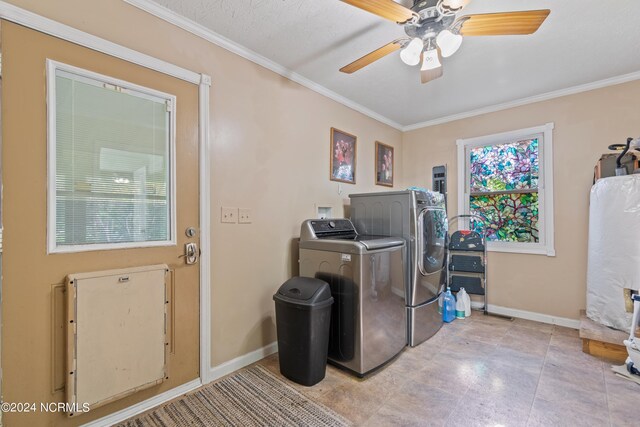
x=585 y=124
x=270 y=153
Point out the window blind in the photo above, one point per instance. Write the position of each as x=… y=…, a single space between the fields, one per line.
x=112 y=178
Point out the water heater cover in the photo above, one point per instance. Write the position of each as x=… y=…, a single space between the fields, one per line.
x=614 y=249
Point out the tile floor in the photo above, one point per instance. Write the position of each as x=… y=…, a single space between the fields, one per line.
x=485 y=371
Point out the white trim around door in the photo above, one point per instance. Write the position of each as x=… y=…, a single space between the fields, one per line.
x=31 y=20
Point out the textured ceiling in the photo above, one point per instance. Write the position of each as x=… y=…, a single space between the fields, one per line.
x=582 y=41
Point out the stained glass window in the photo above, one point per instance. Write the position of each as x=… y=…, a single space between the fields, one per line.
x=503 y=184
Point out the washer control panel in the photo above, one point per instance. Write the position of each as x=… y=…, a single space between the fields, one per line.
x=324 y=227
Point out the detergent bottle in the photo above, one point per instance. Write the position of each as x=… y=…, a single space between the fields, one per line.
x=440 y=302
x=448 y=307
x=459 y=306
x=466 y=300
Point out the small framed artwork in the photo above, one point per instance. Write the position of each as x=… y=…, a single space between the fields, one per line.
x=384 y=164
x=342 y=166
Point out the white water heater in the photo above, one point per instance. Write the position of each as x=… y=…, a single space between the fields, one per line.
x=613 y=270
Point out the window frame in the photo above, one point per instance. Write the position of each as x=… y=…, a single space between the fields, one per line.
x=545 y=245
x=52 y=67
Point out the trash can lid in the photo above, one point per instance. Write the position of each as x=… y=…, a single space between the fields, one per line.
x=304 y=291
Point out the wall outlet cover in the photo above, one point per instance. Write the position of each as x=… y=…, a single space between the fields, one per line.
x=245 y=216
x=229 y=215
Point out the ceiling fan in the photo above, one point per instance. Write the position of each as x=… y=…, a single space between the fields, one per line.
x=435 y=32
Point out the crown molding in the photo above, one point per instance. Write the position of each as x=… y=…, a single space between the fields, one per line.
x=32 y=20
x=219 y=40
x=529 y=100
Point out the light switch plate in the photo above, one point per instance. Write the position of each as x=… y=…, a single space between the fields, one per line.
x=245 y=216
x=229 y=215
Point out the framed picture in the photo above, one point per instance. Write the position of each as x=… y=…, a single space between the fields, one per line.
x=384 y=164
x=342 y=167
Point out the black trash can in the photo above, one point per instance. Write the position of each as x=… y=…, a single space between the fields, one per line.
x=303 y=315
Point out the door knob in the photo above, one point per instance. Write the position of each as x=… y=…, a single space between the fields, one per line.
x=190 y=253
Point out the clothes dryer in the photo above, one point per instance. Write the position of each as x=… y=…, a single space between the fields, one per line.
x=420 y=218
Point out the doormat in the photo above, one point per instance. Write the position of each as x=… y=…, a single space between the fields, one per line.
x=251 y=397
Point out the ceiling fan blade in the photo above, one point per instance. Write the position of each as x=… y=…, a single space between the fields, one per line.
x=503 y=24
x=387 y=9
x=428 y=75
x=373 y=56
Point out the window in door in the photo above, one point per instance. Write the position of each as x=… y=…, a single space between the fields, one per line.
x=111 y=162
x=507 y=182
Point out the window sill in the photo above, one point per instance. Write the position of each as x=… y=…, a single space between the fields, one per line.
x=522 y=249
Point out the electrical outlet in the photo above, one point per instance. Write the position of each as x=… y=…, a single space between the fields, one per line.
x=229 y=215
x=245 y=216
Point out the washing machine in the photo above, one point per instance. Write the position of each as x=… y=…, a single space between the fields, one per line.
x=366 y=276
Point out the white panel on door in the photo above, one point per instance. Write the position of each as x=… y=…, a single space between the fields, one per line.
x=116 y=333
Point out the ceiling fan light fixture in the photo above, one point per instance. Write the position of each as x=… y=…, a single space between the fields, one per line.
x=410 y=55
x=454 y=5
x=448 y=42
x=430 y=60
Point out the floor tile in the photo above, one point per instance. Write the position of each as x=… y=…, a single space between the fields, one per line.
x=409 y=361
x=570 y=355
x=516 y=360
x=504 y=382
x=529 y=331
x=353 y=401
x=583 y=378
x=486 y=332
x=484 y=371
x=525 y=339
x=546 y=414
x=417 y=404
x=449 y=375
x=561 y=330
x=465 y=347
x=333 y=378
x=384 y=382
x=623 y=397
x=580 y=394
x=533 y=325
x=482 y=410
x=565 y=342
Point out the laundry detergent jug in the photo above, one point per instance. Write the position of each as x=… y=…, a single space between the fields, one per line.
x=466 y=300
x=459 y=307
x=448 y=307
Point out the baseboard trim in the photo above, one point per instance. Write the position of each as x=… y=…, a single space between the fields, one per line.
x=242 y=361
x=138 y=408
x=530 y=315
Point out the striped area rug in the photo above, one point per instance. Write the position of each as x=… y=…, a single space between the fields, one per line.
x=251 y=397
